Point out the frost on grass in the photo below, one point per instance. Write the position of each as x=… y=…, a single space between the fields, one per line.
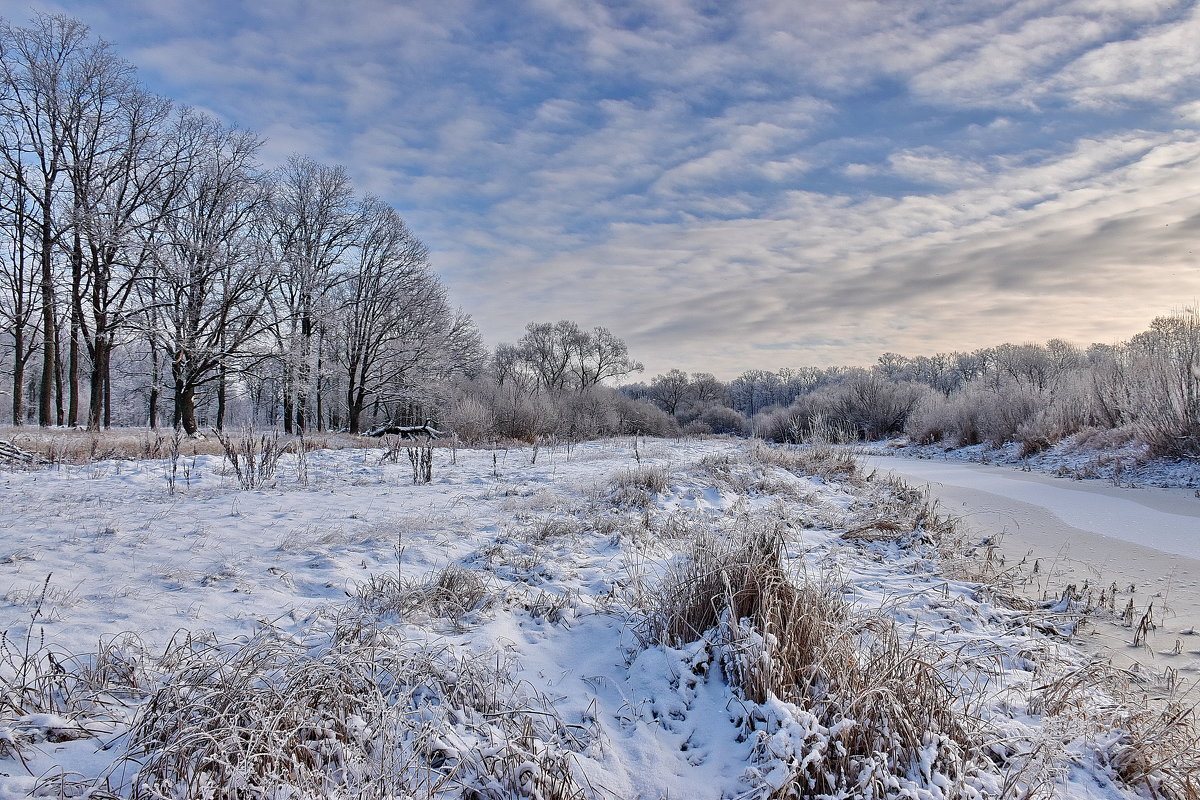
x=836 y=700
x=698 y=619
x=357 y=711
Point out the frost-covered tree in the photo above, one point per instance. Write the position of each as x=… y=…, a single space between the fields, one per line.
x=207 y=286
x=18 y=287
x=48 y=70
x=396 y=331
x=314 y=220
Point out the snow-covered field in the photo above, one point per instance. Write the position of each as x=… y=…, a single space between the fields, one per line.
x=552 y=623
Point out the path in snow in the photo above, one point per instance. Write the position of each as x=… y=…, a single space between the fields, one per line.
x=1084 y=530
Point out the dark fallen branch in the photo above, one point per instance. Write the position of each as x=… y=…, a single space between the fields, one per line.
x=405 y=431
x=10 y=452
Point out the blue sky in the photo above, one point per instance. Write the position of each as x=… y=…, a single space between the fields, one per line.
x=731 y=185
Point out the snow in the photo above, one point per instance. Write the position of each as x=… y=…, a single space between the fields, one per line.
x=110 y=553
x=1085 y=530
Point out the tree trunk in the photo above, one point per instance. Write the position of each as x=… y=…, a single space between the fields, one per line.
x=221 y=401
x=96 y=393
x=60 y=414
x=76 y=321
x=287 y=411
x=49 y=353
x=108 y=385
x=18 y=383
x=154 y=378
x=354 y=409
x=185 y=405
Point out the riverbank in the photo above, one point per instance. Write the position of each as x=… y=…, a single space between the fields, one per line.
x=1080 y=458
x=1130 y=553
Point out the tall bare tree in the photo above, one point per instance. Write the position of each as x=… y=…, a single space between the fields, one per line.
x=207 y=286
x=45 y=74
x=18 y=286
x=314 y=220
x=398 y=333
x=126 y=172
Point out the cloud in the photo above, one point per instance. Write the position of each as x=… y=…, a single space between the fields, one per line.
x=739 y=184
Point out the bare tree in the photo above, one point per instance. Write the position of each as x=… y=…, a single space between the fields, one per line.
x=45 y=71
x=670 y=390
x=397 y=327
x=599 y=356
x=125 y=171
x=207 y=286
x=314 y=220
x=18 y=286
x=560 y=356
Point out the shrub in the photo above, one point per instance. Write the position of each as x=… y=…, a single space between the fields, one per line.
x=721 y=419
x=470 y=418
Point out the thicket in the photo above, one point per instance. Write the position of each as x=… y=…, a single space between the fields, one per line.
x=1145 y=390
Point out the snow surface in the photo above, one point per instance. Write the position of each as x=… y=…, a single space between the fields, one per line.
x=1144 y=538
x=105 y=550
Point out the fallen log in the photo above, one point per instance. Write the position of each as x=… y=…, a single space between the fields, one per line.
x=405 y=431
x=10 y=452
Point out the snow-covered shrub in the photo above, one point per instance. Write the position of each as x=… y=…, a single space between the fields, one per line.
x=870 y=404
x=1004 y=409
x=636 y=416
x=721 y=419
x=984 y=410
x=589 y=414
x=782 y=425
x=1168 y=357
x=470 y=418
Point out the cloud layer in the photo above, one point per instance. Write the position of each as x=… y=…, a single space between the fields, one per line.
x=740 y=184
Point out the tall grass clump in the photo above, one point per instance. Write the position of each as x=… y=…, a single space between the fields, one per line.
x=253 y=457
x=362 y=713
x=819 y=459
x=868 y=704
x=638 y=486
x=450 y=593
x=1147 y=743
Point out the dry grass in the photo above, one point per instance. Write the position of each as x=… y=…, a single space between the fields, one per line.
x=820 y=460
x=1146 y=741
x=363 y=713
x=637 y=487
x=74 y=446
x=881 y=696
x=450 y=593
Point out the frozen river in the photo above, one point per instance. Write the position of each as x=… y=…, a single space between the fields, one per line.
x=1147 y=538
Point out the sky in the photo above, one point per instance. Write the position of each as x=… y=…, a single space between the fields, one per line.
x=727 y=184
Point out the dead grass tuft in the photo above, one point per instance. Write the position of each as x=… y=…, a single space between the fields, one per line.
x=450 y=593
x=880 y=701
x=363 y=713
x=637 y=487
x=819 y=459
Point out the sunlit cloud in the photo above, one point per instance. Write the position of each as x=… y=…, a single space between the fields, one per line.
x=736 y=185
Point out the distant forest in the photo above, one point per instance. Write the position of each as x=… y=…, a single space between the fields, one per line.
x=153 y=272
x=1145 y=390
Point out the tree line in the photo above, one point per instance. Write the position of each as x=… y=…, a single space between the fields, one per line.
x=145 y=251
x=1145 y=390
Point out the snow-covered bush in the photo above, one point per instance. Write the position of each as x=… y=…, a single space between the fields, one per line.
x=470 y=418
x=721 y=419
